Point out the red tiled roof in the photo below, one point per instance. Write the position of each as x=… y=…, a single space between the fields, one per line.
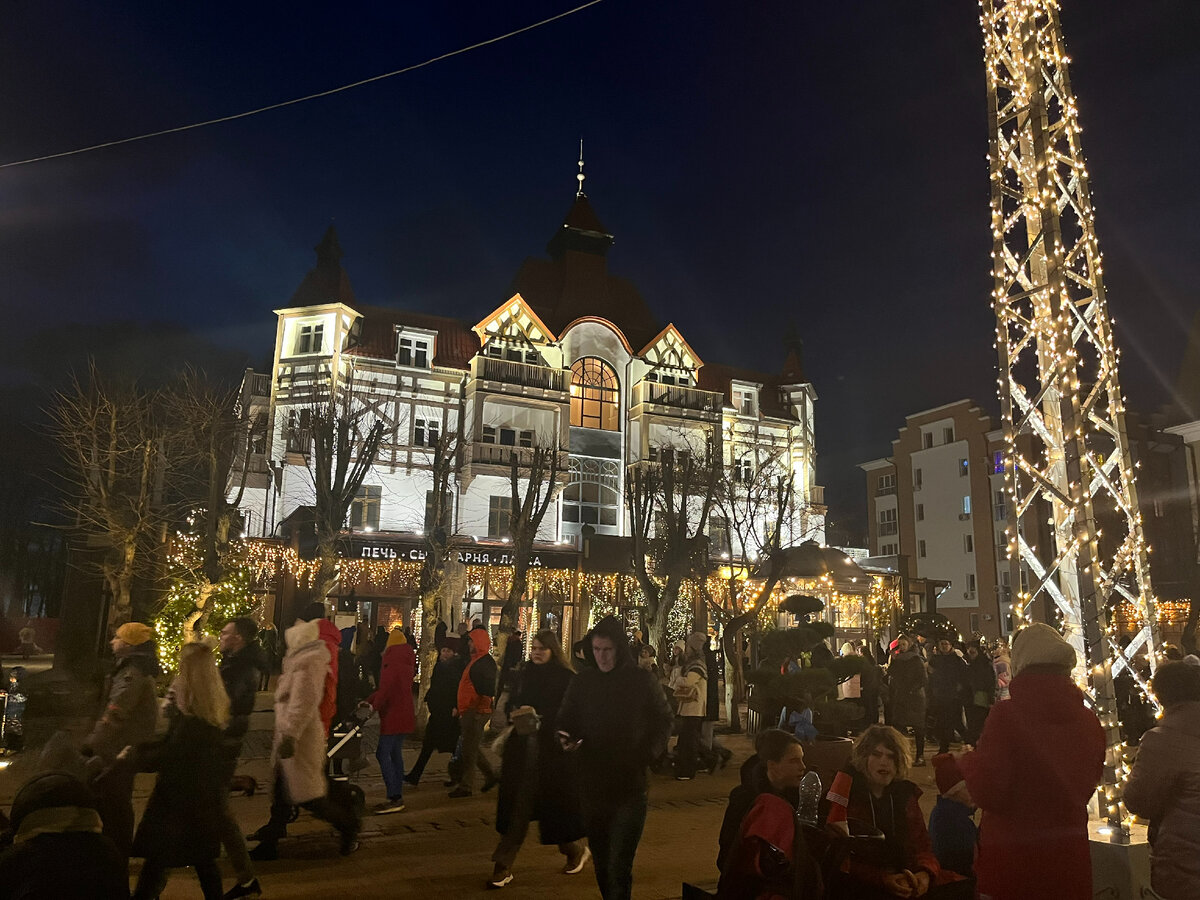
x=456 y=343
x=718 y=378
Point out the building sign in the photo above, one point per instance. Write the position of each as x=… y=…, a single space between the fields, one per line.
x=469 y=556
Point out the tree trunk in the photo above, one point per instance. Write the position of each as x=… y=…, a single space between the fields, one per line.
x=325 y=578
x=510 y=611
x=197 y=619
x=660 y=614
x=735 y=686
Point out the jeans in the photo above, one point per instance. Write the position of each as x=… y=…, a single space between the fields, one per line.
x=390 y=754
x=472 y=737
x=614 y=827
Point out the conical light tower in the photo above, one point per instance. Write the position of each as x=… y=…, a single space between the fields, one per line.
x=1067 y=457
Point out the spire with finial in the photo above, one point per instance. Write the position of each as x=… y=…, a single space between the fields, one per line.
x=580 y=176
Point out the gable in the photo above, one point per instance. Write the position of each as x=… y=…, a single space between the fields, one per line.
x=670 y=351
x=514 y=323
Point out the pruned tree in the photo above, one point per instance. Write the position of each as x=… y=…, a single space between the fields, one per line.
x=533 y=483
x=669 y=501
x=209 y=439
x=445 y=461
x=343 y=449
x=111 y=443
x=756 y=502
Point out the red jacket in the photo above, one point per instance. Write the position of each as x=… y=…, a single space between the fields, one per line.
x=333 y=640
x=394 y=699
x=1035 y=767
x=468 y=697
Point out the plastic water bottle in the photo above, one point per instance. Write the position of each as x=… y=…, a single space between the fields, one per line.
x=810 y=798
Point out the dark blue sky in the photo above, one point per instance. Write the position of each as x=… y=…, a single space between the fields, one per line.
x=759 y=163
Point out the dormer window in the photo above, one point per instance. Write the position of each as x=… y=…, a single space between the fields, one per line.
x=512 y=353
x=310 y=338
x=746 y=401
x=413 y=351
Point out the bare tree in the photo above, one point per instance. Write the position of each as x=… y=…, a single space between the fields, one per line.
x=669 y=503
x=756 y=503
x=533 y=482
x=210 y=436
x=111 y=444
x=343 y=450
x=444 y=464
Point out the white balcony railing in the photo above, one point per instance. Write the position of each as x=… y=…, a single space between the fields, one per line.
x=519 y=374
x=676 y=396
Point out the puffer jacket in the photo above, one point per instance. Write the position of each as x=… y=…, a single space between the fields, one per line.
x=469 y=696
x=130 y=714
x=298 y=697
x=1164 y=787
x=329 y=701
x=394 y=699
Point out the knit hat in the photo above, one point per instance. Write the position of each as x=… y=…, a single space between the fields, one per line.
x=135 y=633
x=1040 y=645
x=697 y=641
x=396 y=638
x=946 y=773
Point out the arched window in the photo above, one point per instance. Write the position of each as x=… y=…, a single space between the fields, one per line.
x=594 y=395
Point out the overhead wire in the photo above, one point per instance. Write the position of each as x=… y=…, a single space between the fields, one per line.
x=327 y=93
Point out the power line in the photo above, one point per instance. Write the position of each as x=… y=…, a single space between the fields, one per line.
x=319 y=94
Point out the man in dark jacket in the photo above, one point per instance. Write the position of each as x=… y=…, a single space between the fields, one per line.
x=947 y=680
x=241 y=672
x=130 y=717
x=617 y=719
x=441 y=731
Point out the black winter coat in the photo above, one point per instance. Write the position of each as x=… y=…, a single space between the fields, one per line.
x=441 y=698
x=58 y=865
x=535 y=767
x=240 y=673
x=181 y=825
x=906 y=682
x=947 y=677
x=712 y=708
x=624 y=722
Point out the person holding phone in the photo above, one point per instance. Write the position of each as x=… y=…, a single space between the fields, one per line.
x=616 y=718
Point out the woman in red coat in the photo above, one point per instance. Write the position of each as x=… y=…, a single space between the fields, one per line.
x=1037 y=764
x=394 y=703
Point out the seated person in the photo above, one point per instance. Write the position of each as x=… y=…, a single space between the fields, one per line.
x=762 y=856
x=952 y=828
x=873 y=789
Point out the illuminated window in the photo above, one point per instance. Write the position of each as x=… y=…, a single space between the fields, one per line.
x=594 y=395
x=310 y=338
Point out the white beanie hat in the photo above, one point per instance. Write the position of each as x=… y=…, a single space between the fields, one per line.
x=1040 y=645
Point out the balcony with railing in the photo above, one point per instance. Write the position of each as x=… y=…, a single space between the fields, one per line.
x=885 y=490
x=886 y=528
x=488 y=454
x=522 y=375
x=816 y=495
x=298 y=440
x=675 y=399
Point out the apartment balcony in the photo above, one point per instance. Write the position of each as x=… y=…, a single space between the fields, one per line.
x=507 y=376
x=676 y=400
x=816 y=495
x=887 y=528
x=484 y=455
x=885 y=491
x=297 y=441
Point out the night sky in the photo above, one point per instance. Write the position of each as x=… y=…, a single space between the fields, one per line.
x=760 y=164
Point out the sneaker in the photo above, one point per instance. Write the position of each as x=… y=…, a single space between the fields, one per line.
x=250 y=889
x=388 y=806
x=500 y=877
x=683 y=777
x=575 y=866
x=412 y=782
x=919 y=761
x=460 y=791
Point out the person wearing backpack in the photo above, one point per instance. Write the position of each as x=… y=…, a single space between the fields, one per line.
x=475 y=691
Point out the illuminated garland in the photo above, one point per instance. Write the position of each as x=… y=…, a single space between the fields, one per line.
x=234 y=597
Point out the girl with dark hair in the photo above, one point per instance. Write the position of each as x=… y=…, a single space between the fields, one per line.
x=538 y=779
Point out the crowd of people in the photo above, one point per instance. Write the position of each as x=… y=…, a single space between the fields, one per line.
x=577 y=737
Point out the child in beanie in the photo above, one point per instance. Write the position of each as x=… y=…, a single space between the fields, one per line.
x=952 y=829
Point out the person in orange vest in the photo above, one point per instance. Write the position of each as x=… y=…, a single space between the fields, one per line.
x=475 y=691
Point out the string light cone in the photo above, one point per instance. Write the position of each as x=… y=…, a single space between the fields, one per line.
x=1064 y=418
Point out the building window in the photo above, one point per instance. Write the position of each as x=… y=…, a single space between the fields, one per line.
x=1004 y=579
x=364 y=508
x=745 y=402
x=499 y=516
x=971 y=582
x=998 y=462
x=426 y=432
x=887 y=522
x=948 y=435
x=928 y=439
x=718 y=534
x=525 y=439
x=966 y=505
x=964 y=468
x=968 y=543
x=431 y=511
x=974 y=622
x=916 y=479
x=921 y=549
x=889 y=549
x=594 y=395
x=592 y=496
x=310 y=339
x=413 y=352
x=920 y=512
x=743 y=470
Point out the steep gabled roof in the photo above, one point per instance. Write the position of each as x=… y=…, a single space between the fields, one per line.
x=456 y=343
x=719 y=378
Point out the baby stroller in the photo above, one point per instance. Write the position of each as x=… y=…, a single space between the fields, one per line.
x=344 y=758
